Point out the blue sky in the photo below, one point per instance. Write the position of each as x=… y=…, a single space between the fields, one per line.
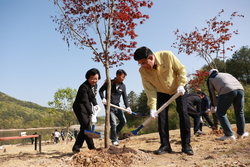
x=35 y=62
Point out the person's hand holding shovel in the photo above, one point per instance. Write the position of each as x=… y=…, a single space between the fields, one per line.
x=129 y=111
x=96 y=109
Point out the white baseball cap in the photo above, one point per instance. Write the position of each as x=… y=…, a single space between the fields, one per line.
x=212 y=70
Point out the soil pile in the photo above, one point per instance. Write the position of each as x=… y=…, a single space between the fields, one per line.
x=111 y=157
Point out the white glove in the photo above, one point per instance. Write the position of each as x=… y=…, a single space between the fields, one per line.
x=153 y=114
x=96 y=109
x=104 y=101
x=201 y=120
x=129 y=111
x=93 y=118
x=208 y=110
x=213 y=109
x=181 y=90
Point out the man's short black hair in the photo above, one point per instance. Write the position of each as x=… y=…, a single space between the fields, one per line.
x=201 y=93
x=142 y=53
x=91 y=72
x=121 y=71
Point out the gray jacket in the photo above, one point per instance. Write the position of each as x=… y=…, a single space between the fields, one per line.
x=221 y=83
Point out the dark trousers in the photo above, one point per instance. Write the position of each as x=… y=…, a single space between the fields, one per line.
x=196 y=118
x=207 y=118
x=215 y=120
x=84 y=121
x=163 y=125
x=57 y=139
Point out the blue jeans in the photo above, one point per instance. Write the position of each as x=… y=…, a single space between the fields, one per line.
x=236 y=98
x=115 y=129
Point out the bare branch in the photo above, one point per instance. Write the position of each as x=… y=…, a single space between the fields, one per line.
x=70 y=24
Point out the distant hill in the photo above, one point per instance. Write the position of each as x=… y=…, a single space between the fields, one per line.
x=22 y=114
x=7 y=98
x=18 y=114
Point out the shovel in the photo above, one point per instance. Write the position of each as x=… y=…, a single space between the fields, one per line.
x=135 y=132
x=137 y=114
x=207 y=111
x=197 y=113
x=92 y=133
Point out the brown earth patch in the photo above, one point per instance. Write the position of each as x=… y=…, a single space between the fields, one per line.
x=135 y=151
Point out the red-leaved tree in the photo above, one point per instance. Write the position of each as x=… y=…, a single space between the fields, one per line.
x=106 y=27
x=208 y=42
x=198 y=79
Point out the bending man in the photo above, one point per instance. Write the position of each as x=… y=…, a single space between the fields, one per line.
x=162 y=76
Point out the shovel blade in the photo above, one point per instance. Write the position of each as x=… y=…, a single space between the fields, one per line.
x=135 y=132
x=139 y=114
x=130 y=134
x=91 y=133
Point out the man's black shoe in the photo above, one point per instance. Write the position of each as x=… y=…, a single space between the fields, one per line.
x=187 y=149
x=75 y=150
x=93 y=148
x=163 y=150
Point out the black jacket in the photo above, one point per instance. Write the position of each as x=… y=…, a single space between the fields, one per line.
x=115 y=93
x=85 y=96
x=194 y=102
x=205 y=103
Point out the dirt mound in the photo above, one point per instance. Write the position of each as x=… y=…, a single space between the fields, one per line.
x=126 y=135
x=220 y=131
x=112 y=156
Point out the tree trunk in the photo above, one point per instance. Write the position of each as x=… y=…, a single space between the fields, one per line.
x=107 y=111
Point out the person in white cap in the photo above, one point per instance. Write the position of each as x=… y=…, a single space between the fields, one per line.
x=230 y=91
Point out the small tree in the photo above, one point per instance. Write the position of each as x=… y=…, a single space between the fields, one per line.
x=62 y=107
x=105 y=27
x=208 y=42
x=142 y=103
x=198 y=79
x=132 y=100
x=138 y=104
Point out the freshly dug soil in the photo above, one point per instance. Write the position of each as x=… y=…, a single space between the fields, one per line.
x=92 y=134
x=126 y=135
x=113 y=156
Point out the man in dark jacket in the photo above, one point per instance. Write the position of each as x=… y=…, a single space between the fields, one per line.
x=205 y=106
x=118 y=89
x=194 y=109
